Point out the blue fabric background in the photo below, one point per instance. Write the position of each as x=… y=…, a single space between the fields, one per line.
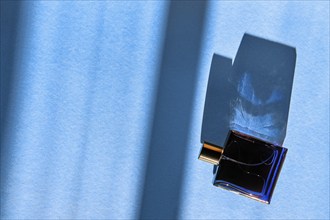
x=90 y=88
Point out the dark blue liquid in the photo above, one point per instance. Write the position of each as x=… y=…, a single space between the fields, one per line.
x=249 y=166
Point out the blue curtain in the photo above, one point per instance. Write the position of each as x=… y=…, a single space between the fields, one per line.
x=102 y=103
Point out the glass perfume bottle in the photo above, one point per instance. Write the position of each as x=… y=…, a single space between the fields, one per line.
x=247 y=166
x=245 y=117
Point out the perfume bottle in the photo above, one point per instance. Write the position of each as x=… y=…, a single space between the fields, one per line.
x=245 y=117
x=247 y=165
